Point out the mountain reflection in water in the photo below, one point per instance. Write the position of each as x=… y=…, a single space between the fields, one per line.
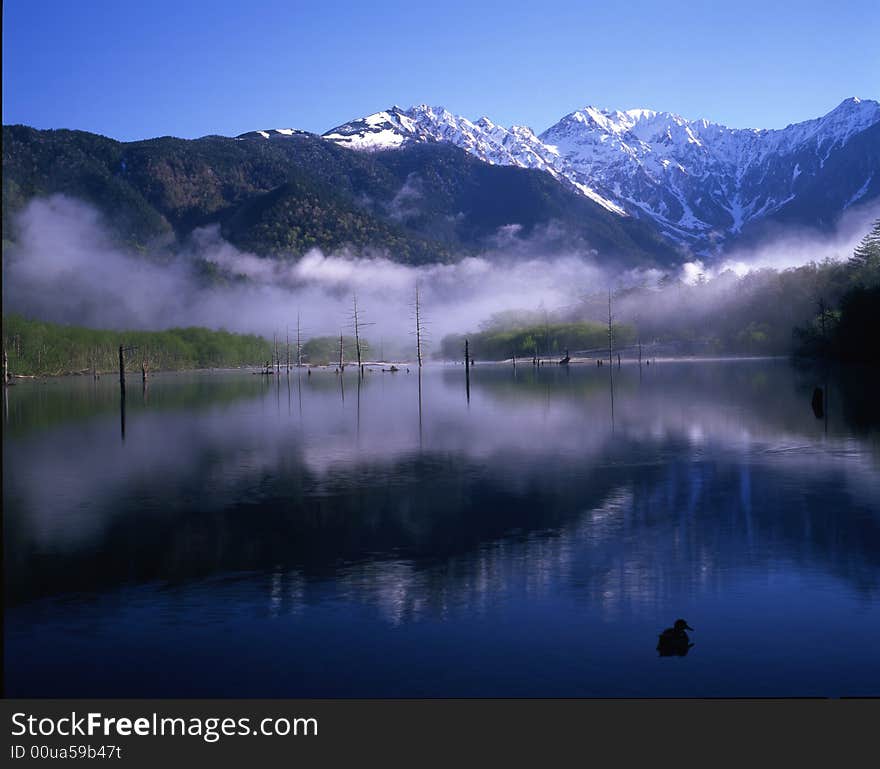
x=523 y=542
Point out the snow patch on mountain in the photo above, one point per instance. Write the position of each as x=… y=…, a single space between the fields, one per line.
x=698 y=179
x=273 y=133
x=860 y=192
x=389 y=129
x=700 y=182
x=490 y=142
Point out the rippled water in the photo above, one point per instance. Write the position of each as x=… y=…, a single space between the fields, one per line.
x=319 y=536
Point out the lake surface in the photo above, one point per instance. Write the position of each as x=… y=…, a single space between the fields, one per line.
x=319 y=537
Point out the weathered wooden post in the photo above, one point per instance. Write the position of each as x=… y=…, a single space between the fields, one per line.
x=341 y=356
x=122 y=370
x=122 y=390
x=467 y=369
x=818 y=402
x=357 y=341
x=5 y=367
x=144 y=369
x=514 y=361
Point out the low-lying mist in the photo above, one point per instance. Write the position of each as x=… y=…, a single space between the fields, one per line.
x=65 y=267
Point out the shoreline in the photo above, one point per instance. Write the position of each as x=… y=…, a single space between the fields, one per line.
x=402 y=366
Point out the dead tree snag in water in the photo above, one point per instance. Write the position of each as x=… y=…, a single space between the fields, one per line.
x=419 y=328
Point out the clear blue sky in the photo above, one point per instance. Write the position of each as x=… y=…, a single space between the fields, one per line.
x=135 y=69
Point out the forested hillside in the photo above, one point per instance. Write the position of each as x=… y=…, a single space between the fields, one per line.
x=426 y=203
x=36 y=348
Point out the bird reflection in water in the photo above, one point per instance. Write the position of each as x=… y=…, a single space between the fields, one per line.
x=818 y=403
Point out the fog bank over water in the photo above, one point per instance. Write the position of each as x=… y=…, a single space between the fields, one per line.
x=65 y=267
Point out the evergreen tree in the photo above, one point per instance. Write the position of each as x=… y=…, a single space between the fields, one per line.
x=866 y=257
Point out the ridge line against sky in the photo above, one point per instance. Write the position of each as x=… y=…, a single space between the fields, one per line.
x=472 y=118
x=135 y=71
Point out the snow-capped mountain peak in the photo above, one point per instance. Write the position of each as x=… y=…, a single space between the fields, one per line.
x=699 y=181
x=387 y=129
x=489 y=141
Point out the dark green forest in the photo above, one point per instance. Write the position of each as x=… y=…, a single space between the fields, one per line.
x=36 y=348
x=499 y=341
x=848 y=328
x=324 y=350
x=280 y=197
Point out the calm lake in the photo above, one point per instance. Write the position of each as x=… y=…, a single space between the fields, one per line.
x=317 y=536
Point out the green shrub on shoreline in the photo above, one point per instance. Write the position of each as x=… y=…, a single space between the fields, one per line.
x=542 y=339
x=38 y=348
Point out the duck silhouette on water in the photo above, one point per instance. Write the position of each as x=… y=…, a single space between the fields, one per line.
x=674 y=641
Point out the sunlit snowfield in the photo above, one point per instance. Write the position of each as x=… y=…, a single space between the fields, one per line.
x=314 y=536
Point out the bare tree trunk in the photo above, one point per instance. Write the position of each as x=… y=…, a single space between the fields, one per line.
x=467 y=369
x=418 y=328
x=357 y=337
x=122 y=389
x=122 y=369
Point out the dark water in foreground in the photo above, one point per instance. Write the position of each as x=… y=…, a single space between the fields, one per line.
x=253 y=539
